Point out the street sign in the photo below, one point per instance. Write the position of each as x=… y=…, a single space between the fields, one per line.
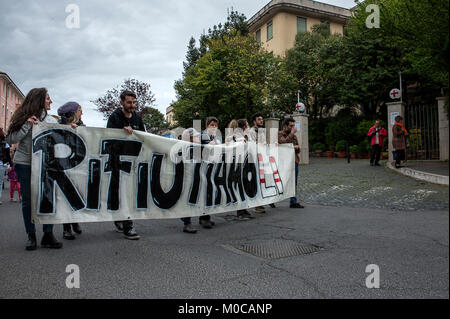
x=395 y=94
x=393 y=116
x=300 y=107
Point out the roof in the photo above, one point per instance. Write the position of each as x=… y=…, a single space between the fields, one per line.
x=12 y=82
x=315 y=8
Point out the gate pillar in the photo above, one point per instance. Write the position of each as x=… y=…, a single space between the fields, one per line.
x=394 y=109
x=443 y=128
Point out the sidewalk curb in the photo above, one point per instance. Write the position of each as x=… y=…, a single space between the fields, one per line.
x=422 y=176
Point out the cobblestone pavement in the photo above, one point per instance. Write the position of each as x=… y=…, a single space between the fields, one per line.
x=334 y=182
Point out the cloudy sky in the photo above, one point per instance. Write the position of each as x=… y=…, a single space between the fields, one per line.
x=141 y=39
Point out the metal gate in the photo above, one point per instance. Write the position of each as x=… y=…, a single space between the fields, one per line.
x=422 y=122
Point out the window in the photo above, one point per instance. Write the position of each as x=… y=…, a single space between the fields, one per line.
x=258 y=36
x=301 y=25
x=269 y=30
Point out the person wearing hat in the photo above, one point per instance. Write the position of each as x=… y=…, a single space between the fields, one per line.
x=70 y=114
x=193 y=136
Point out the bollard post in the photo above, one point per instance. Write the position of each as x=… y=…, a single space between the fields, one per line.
x=348 y=153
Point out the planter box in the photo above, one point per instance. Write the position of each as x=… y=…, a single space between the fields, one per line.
x=330 y=154
x=342 y=154
x=353 y=156
x=365 y=156
x=318 y=153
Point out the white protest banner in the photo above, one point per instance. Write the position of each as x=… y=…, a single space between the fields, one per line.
x=96 y=175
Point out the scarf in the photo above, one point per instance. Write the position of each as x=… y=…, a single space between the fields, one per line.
x=403 y=128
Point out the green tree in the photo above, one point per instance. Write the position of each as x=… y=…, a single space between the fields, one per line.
x=311 y=68
x=229 y=82
x=192 y=55
x=412 y=38
x=154 y=120
x=421 y=28
x=110 y=101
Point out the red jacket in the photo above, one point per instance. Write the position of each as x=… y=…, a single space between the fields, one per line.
x=382 y=134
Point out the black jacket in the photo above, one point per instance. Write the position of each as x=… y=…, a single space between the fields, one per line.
x=118 y=120
x=4 y=152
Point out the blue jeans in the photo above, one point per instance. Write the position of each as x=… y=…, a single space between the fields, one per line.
x=294 y=199
x=186 y=221
x=24 y=175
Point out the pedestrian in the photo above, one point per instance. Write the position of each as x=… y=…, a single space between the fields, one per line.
x=287 y=136
x=193 y=136
x=210 y=136
x=229 y=134
x=377 y=134
x=70 y=114
x=240 y=135
x=13 y=180
x=257 y=134
x=127 y=119
x=33 y=111
x=400 y=134
x=5 y=160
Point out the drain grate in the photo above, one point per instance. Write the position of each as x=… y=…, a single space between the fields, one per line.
x=277 y=248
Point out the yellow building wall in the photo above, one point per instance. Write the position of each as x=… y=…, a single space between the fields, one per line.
x=285 y=31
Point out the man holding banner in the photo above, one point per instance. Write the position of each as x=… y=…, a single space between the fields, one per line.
x=126 y=118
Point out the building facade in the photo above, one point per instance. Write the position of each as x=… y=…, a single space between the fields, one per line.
x=277 y=24
x=169 y=116
x=10 y=99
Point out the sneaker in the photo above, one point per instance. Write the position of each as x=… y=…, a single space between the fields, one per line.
x=77 y=229
x=68 y=235
x=49 y=241
x=1 y=202
x=260 y=210
x=31 y=243
x=244 y=215
x=189 y=229
x=119 y=227
x=377 y=164
x=297 y=205
x=273 y=206
x=207 y=224
x=131 y=234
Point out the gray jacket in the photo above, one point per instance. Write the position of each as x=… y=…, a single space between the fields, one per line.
x=24 y=138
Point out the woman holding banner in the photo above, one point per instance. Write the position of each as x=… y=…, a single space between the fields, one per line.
x=31 y=112
x=70 y=114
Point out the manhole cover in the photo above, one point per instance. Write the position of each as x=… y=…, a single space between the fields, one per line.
x=277 y=249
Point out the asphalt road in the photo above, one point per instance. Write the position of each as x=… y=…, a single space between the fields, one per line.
x=410 y=247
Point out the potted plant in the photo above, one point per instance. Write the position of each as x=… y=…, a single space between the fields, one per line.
x=318 y=149
x=363 y=150
x=341 y=147
x=353 y=151
x=330 y=153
